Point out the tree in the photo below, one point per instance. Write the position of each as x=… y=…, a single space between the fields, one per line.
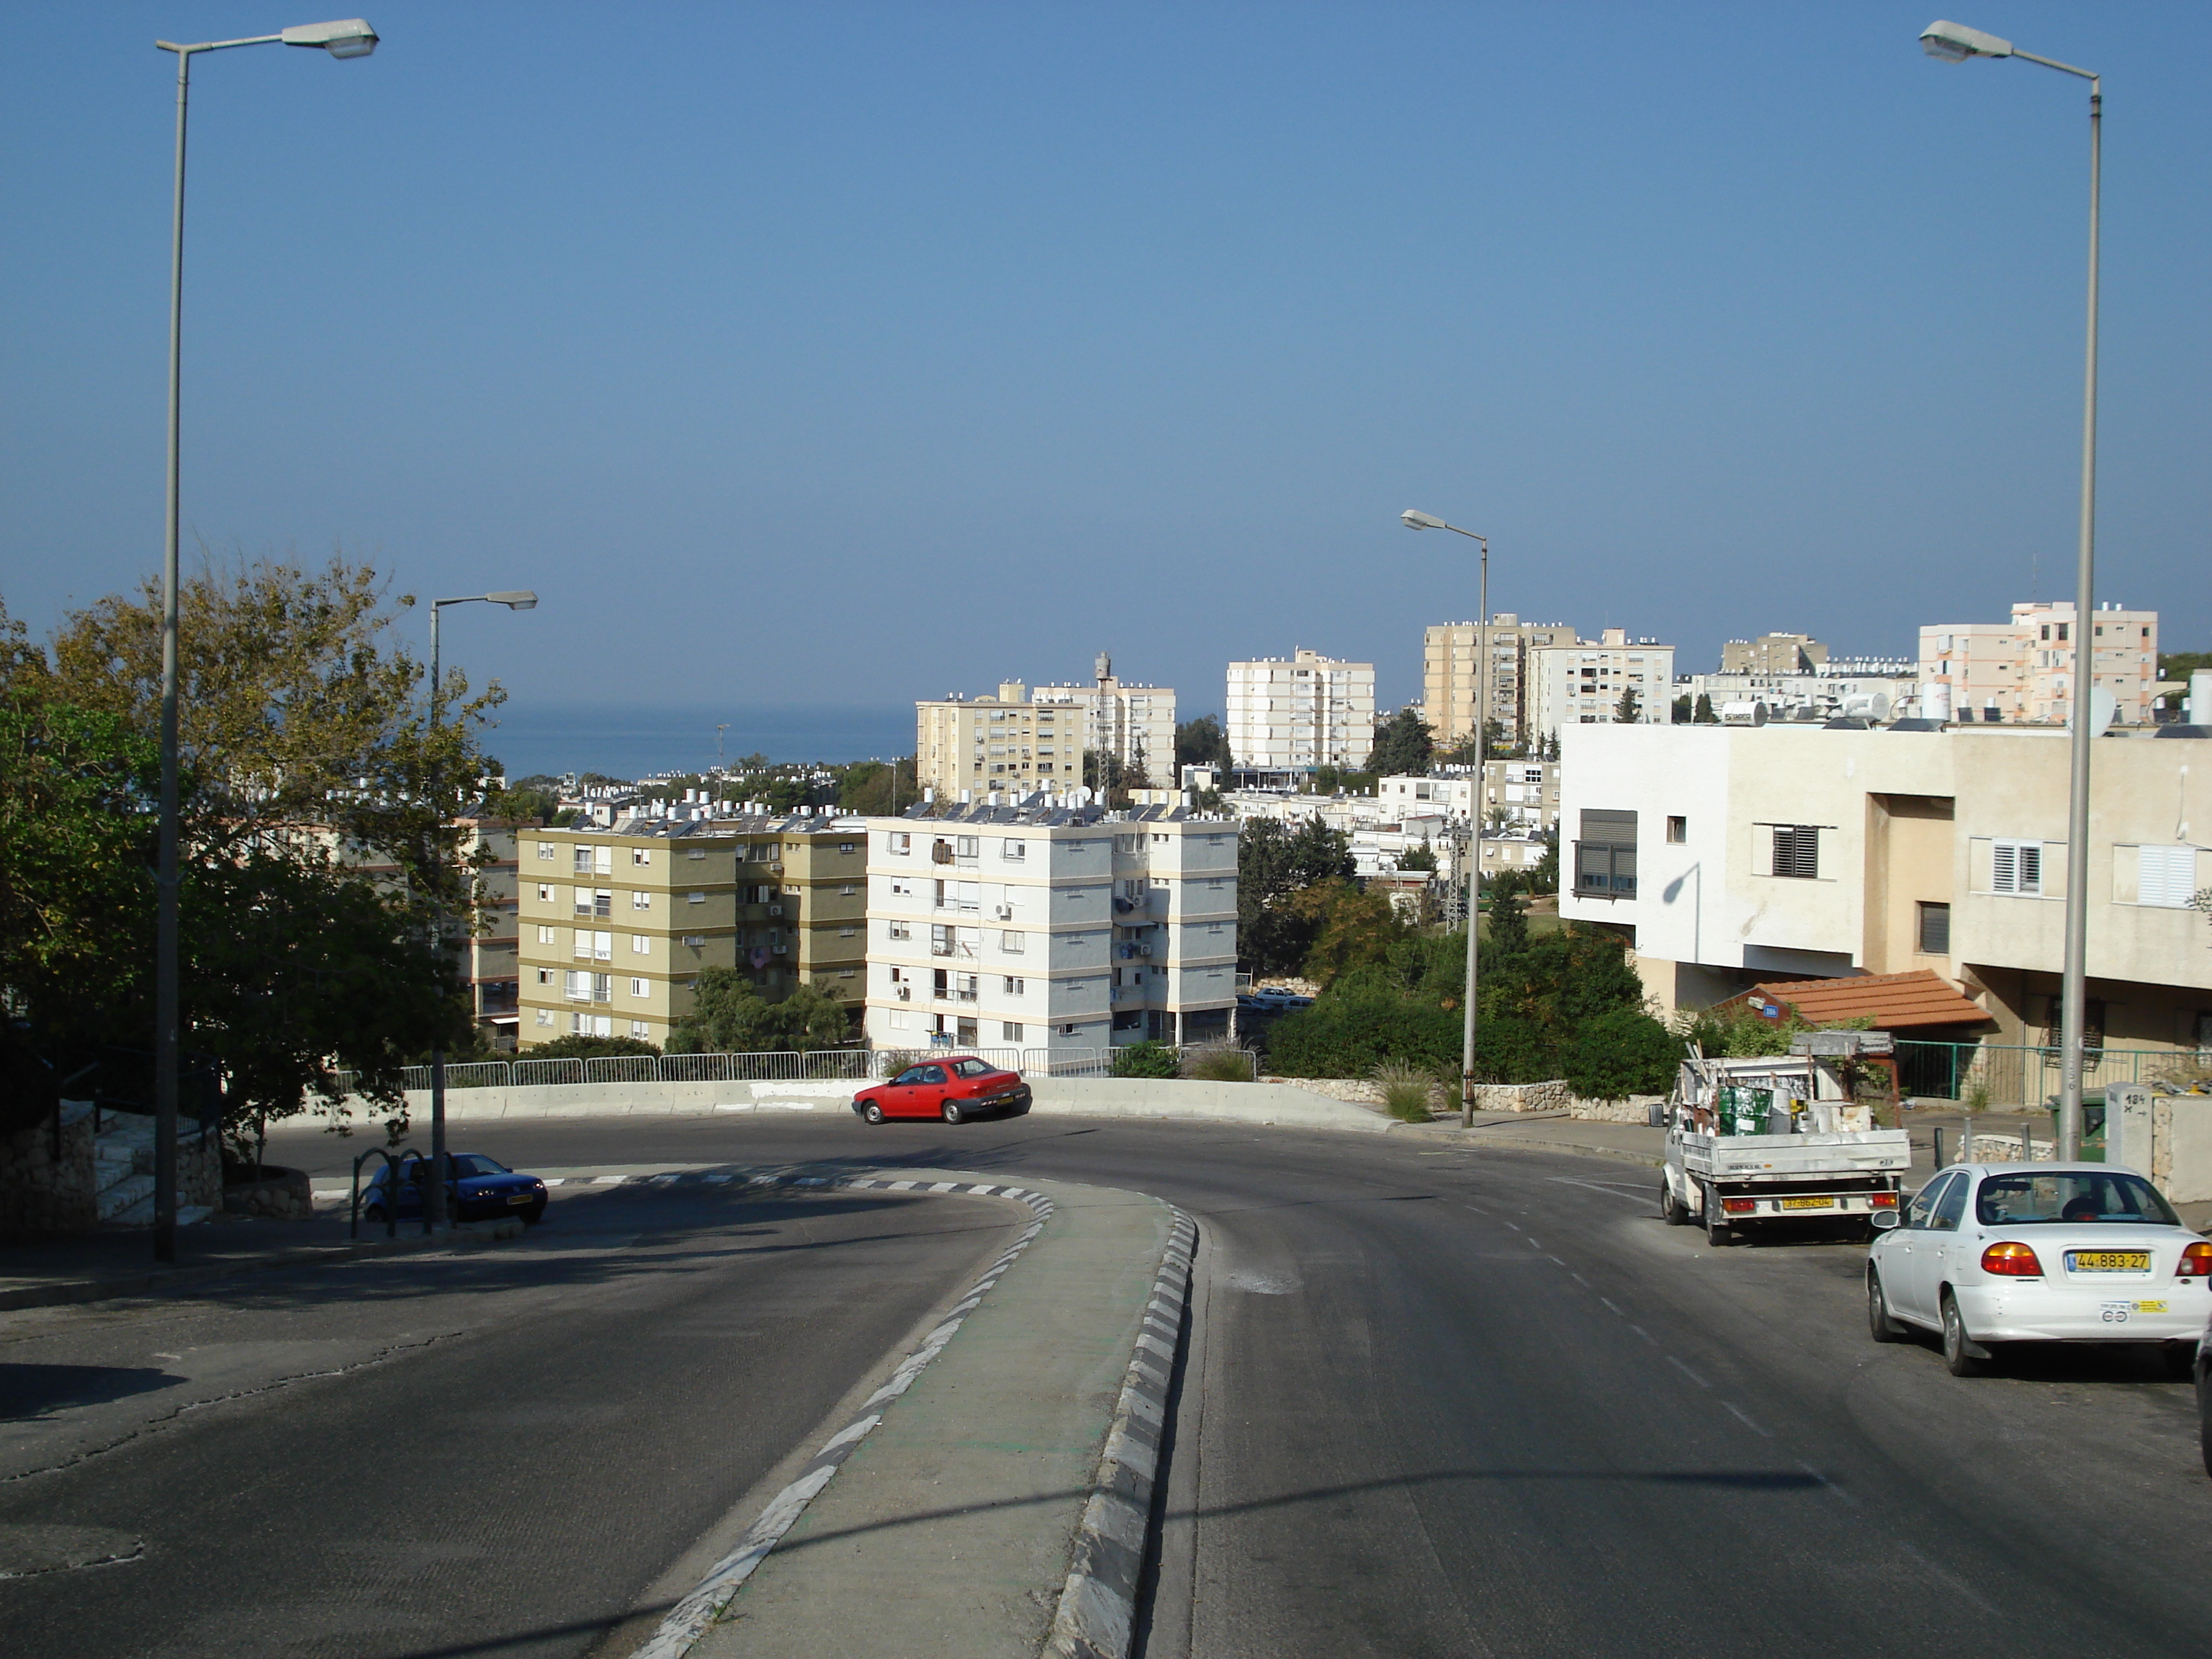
x=1704 y=714
x=1544 y=874
x=1202 y=742
x=1423 y=857
x=1273 y=861
x=730 y=1016
x=1619 y=1053
x=879 y=789
x=1102 y=772
x=1679 y=714
x=1350 y=928
x=1403 y=744
x=1625 y=711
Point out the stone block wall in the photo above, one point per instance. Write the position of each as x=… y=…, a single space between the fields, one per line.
x=44 y=1189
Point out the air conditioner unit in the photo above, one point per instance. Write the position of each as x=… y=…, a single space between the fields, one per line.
x=1004 y=912
x=694 y=940
x=905 y=993
x=775 y=909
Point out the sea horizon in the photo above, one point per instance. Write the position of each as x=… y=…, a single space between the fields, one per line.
x=641 y=741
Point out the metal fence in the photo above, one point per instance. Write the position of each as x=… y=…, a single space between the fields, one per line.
x=2017 y=1076
x=820 y=1064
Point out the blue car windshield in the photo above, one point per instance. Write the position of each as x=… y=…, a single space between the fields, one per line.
x=473 y=1163
x=2071 y=1197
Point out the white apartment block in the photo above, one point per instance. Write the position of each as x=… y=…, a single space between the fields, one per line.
x=1886 y=691
x=1134 y=723
x=1451 y=655
x=1303 y=710
x=1581 y=684
x=2023 y=669
x=1411 y=797
x=1010 y=742
x=1050 y=928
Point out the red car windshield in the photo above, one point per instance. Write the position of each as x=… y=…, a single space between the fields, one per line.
x=972 y=1068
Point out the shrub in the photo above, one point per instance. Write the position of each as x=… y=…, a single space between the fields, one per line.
x=1216 y=1063
x=1407 y=1091
x=1622 y=1053
x=575 y=1046
x=1146 y=1058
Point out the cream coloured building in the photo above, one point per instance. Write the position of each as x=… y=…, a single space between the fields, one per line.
x=1582 y=683
x=1134 y=723
x=1303 y=710
x=2023 y=669
x=1013 y=742
x=1733 y=856
x=1451 y=655
x=614 y=924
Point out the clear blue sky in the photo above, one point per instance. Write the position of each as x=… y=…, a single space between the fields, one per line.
x=838 y=353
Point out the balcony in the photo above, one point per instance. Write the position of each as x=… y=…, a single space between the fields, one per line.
x=945 y=993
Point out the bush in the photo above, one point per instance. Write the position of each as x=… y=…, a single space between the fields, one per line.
x=575 y=1046
x=1218 y=1064
x=1350 y=1033
x=1146 y=1058
x=1620 y=1054
x=1407 y=1091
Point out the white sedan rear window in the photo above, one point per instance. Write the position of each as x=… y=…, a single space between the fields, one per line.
x=2013 y=1201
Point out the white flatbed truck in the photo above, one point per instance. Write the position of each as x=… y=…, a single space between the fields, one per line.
x=1779 y=1141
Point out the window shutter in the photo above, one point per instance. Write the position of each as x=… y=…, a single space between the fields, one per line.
x=2167 y=876
x=2031 y=867
x=2004 y=868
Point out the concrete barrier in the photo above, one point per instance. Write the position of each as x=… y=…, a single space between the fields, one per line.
x=1254 y=1103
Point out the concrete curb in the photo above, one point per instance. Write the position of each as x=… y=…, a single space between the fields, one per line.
x=155 y=1280
x=691 y=1617
x=1097 y=1614
x=1578 y=1148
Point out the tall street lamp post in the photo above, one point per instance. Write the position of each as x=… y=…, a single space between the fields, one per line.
x=1955 y=43
x=350 y=38
x=433 y=1202
x=1413 y=521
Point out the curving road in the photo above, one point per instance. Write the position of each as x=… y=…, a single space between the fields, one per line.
x=1447 y=1402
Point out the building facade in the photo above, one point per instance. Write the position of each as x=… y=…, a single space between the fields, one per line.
x=1451 y=653
x=1774 y=653
x=616 y=924
x=1009 y=742
x=1582 y=684
x=1301 y=711
x=2024 y=668
x=1050 y=928
x=1135 y=724
x=1736 y=856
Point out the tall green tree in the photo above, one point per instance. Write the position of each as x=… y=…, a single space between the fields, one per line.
x=1630 y=705
x=729 y=1016
x=1273 y=861
x=1403 y=744
x=1202 y=742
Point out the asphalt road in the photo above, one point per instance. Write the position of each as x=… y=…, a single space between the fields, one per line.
x=497 y=1453
x=1464 y=1403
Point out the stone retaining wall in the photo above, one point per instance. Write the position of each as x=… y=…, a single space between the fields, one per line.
x=45 y=1189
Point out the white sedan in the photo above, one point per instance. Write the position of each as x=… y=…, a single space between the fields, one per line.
x=1988 y=1254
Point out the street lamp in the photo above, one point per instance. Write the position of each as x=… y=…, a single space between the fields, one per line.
x=433 y=1202
x=1955 y=43
x=1413 y=521
x=350 y=38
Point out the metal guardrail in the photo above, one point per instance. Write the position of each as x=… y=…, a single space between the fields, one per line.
x=789 y=1065
x=2019 y=1076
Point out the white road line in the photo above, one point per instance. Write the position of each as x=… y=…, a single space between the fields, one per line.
x=1645 y=1334
x=1549 y=1256
x=1578 y=1278
x=1687 y=1372
x=1829 y=1484
x=1609 y=1303
x=1746 y=1420
x=1640 y=1197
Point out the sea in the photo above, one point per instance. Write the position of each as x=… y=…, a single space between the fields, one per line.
x=643 y=740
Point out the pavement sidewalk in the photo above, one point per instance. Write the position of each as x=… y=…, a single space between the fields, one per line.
x=947 y=1534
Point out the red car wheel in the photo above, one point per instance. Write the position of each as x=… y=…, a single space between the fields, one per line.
x=873 y=1112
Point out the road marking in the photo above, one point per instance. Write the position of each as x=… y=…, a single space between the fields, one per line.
x=1609 y=1303
x=1645 y=1334
x=608 y=1181
x=1549 y=1256
x=1639 y=1195
x=1830 y=1485
x=1578 y=1278
x=1687 y=1372
x=1746 y=1421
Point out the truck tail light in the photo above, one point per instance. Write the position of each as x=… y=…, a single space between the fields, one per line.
x=1739 y=1206
x=1882 y=1201
x=2011 y=1259
x=2195 y=1261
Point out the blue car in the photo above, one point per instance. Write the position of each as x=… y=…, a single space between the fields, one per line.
x=484 y=1189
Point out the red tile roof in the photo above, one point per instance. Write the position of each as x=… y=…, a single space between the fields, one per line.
x=1897 y=1001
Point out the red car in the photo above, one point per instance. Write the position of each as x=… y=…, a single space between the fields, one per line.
x=955 y=1089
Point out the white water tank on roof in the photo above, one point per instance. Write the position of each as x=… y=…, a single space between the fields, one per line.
x=1747 y=713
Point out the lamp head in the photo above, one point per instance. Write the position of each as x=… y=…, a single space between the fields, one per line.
x=522 y=600
x=1413 y=521
x=349 y=38
x=1955 y=43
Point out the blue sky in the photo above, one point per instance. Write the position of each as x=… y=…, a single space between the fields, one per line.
x=838 y=353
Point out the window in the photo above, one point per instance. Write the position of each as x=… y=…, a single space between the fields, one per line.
x=848 y=890
x=897 y=930
x=1010 y=1031
x=595 y=861
x=643 y=856
x=1012 y=988
x=640 y=945
x=1605 y=857
x=1796 y=851
x=900 y=840
x=1935 y=929
x=638 y=1028
x=640 y=900
x=544 y=1016
x=1013 y=944
x=847 y=933
x=2016 y=867
x=544 y=975
x=546 y=851
x=639 y=988
x=848 y=847
x=595 y=902
x=580 y=986
x=591 y=1024
x=545 y=936
x=1678 y=830
x=695 y=941
x=2166 y=876
x=1013 y=850
x=600 y=946
x=544 y=892
x=695 y=898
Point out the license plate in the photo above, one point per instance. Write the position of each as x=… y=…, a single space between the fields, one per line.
x=520 y=1198
x=2108 y=1262
x=1809 y=1203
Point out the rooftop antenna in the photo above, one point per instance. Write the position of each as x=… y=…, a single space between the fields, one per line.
x=721 y=779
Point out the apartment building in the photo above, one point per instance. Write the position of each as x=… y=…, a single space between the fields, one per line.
x=1734 y=855
x=1303 y=710
x=1132 y=722
x=2023 y=669
x=1441 y=797
x=1774 y=653
x=1012 y=742
x=1049 y=927
x=1864 y=690
x=615 y=924
x=1451 y=653
x=1582 y=684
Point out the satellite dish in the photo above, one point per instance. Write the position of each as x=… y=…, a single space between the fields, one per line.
x=2104 y=709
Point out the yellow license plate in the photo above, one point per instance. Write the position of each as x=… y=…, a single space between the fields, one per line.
x=2108 y=1262
x=1809 y=1203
